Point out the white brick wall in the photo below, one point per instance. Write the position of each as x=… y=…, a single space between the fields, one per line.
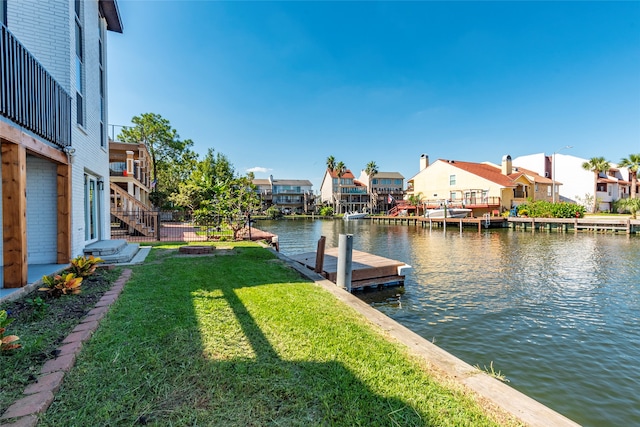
x=42 y=213
x=47 y=30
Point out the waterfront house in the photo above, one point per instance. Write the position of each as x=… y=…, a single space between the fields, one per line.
x=130 y=184
x=53 y=116
x=482 y=187
x=577 y=182
x=289 y=195
x=344 y=193
x=385 y=189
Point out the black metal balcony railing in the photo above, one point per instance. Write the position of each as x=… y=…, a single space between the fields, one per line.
x=29 y=96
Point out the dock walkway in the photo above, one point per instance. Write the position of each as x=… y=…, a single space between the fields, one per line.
x=367 y=269
x=593 y=224
x=477 y=222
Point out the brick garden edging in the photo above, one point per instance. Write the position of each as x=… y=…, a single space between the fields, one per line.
x=39 y=395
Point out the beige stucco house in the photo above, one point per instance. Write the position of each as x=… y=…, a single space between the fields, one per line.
x=483 y=187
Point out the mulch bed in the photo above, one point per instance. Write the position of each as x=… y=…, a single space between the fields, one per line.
x=42 y=322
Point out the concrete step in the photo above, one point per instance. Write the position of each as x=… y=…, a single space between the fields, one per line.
x=125 y=255
x=103 y=248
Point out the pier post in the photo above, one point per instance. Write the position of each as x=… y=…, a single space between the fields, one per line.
x=320 y=255
x=345 y=261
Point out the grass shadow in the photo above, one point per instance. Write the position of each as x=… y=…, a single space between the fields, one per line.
x=244 y=341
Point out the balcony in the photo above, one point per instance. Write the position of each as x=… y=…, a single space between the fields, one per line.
x=29 y=96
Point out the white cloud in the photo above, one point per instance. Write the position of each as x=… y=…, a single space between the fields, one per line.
x=259 y=169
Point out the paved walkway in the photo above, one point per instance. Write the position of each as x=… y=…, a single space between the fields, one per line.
x=39 y=395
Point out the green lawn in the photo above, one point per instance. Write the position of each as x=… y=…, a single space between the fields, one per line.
x=243 y=340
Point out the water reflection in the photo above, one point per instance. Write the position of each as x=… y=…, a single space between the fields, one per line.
x=558 y=314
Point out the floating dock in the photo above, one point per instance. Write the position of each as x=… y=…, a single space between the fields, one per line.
x=367 y=269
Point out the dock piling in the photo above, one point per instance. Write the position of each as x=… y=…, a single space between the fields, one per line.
x=320 y=254
x=345 y=261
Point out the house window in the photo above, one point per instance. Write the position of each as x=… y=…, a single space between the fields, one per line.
x=452 y=180
x=602 y=187
x=80 y=113
x=452 y=196
x=101 y=76
x=3 y=12
x=374 y=181
x=549 y=190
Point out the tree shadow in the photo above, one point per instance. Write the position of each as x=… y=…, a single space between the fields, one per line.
x=283 y=392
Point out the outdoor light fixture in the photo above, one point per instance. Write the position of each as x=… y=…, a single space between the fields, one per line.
x=70 y=152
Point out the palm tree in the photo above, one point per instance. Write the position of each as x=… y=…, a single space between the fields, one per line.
x=632 y=205
x=331 y=163
x=339 y=169
x=596 y=165
x=371 y=169
x=633 y=164
x=415 y=200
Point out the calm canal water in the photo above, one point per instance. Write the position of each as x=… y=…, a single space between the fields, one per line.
x=557 y=314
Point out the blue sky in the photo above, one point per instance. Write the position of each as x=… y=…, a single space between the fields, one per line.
x=278 y=87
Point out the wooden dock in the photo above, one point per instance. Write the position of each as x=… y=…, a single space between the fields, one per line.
x=478 y=223
x=593 y=224
x=367 y=269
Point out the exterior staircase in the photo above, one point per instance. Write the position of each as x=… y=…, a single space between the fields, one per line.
x=133 y=214
x=117 y=251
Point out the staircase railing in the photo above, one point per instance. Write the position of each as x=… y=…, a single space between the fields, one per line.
x=130 y=211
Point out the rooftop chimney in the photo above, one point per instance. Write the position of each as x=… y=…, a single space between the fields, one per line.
x=507 y=169
x=424 y=162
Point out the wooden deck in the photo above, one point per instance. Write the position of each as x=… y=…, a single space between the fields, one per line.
x=367 y=269
x=593 y=224
x=477 y=222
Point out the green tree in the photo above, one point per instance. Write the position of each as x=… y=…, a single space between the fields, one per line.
x=633 y=164
x=237 y=200
x=206 y=181
x=596 y=165
x=162 y=141
x=173 y=174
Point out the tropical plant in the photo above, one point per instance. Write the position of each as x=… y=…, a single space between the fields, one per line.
x=331 y=163
x=7 y=342
x=38 y=305
x=633 y=164
x=84 y=267
x=58 y=285
x=414 y=199
x=596 y=165
x=631 y=205
x=340 y=169
x=371 y=170
x=326 y=211
x=546 y=209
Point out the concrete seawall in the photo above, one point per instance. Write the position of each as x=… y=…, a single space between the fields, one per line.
x=527 y=410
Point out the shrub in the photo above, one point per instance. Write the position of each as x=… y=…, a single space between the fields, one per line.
x=7 y=342
x=273 y=212
x=544 y=209
x=326 y=211
x=57 y=285
x=84 y=267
